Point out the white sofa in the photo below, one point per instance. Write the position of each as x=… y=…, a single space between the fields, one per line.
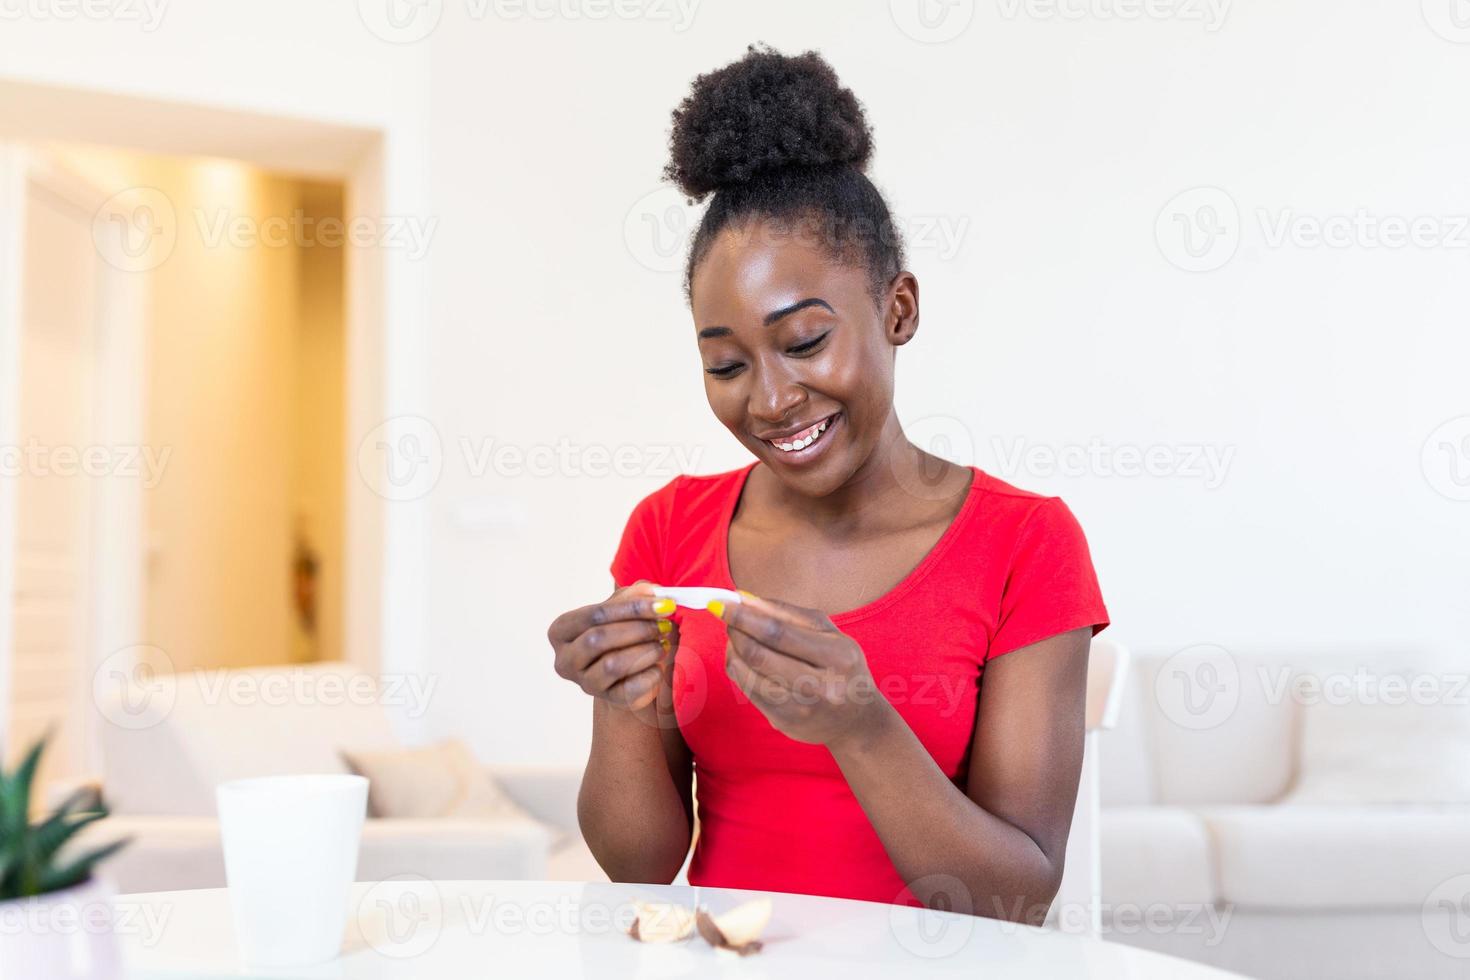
x=168 y=743
x=1201 y=857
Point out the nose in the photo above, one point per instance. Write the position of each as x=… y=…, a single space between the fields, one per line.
x=774 y=395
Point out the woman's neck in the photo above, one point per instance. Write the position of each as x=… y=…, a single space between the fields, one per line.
x=896 y=485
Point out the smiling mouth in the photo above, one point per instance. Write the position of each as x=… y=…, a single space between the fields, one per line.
x=805 y=438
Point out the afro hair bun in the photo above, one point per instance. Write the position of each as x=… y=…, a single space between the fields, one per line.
x=764 y=113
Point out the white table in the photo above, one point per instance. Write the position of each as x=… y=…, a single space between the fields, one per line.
x=414 y=928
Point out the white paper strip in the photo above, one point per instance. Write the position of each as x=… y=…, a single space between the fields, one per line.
x=695 y=597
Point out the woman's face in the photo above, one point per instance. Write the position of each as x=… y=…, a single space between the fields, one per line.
x=795 y=352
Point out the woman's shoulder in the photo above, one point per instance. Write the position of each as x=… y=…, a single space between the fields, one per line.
x=690 y=494
x=670 y=528
x=1047 y=582
x=1018 y=511
x=1014 y=496
x=694 y=489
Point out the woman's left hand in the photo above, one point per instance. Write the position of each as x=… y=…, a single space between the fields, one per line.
x=807 y=677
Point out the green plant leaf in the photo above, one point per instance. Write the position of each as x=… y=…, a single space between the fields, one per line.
x=48 y=836
x=15 y=793
x=26 y=774
x=15 y=801
x=79 y=869
x=29 y=852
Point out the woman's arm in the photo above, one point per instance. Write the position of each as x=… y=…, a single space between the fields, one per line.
x=993 y=848
x=635 y=807
x=1004 y=836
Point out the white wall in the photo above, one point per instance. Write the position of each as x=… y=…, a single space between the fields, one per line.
x=1054 y=144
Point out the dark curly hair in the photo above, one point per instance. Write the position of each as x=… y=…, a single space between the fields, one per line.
x=778 y=137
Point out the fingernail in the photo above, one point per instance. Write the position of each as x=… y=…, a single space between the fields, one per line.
x=664 y=626
x=717 y=607
x=665 y=644
x=748 y=595
x=663 y=606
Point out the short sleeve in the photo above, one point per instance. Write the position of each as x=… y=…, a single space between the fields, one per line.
x=1051 y=586
x=640 y=553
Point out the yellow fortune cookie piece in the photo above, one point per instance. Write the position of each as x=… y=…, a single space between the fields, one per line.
x=661 y=922
x=737 y=930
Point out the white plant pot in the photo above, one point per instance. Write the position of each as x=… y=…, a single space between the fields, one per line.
x=60 y=935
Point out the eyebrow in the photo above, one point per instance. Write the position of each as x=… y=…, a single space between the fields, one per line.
x=771 y=317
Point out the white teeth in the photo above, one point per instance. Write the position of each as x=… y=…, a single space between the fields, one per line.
x=799 y=444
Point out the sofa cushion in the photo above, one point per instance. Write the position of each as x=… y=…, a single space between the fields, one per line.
x=1154 y=855
x=1125 y=758
x=442 y=779
x=1223 y=723
x=173 y=738
x=443 y=849
x=1219 y=732
x=172 y=853
x=573 y=861
x=1378 y=747
x=1325 y=857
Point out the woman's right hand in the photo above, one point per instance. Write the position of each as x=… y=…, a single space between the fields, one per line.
x=620 y=649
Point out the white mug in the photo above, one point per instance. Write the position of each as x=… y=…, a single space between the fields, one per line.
x=290 y=846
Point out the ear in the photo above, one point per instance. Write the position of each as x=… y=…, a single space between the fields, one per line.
x=901 y=309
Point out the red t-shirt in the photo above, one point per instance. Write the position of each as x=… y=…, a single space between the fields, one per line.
x=776 y=814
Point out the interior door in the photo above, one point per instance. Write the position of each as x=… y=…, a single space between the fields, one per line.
x=63 y=463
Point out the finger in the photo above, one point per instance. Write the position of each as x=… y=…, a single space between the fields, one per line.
x=814 y=618
x=624 y=605
x=632 y=691
x=759 y=689
x=642 y=587
x=780 y=630
x=648 y=697
x=601 y=641
x=767 y=662
x=667 y=665
x=619 y=665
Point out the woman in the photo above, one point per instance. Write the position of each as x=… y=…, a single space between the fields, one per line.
x=836 y=719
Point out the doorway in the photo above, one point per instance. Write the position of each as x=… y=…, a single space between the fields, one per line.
x=93 y=569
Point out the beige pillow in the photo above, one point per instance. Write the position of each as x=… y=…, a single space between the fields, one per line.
x=438 y=780
x=1355 y=752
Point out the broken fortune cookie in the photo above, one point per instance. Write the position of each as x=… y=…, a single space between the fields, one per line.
x=737 y=930
x=661 y=922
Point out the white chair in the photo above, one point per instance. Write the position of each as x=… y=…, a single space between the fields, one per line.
x=1078 y=905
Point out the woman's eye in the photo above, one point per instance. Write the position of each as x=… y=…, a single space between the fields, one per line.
x=729 y=370
x=809 y=345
